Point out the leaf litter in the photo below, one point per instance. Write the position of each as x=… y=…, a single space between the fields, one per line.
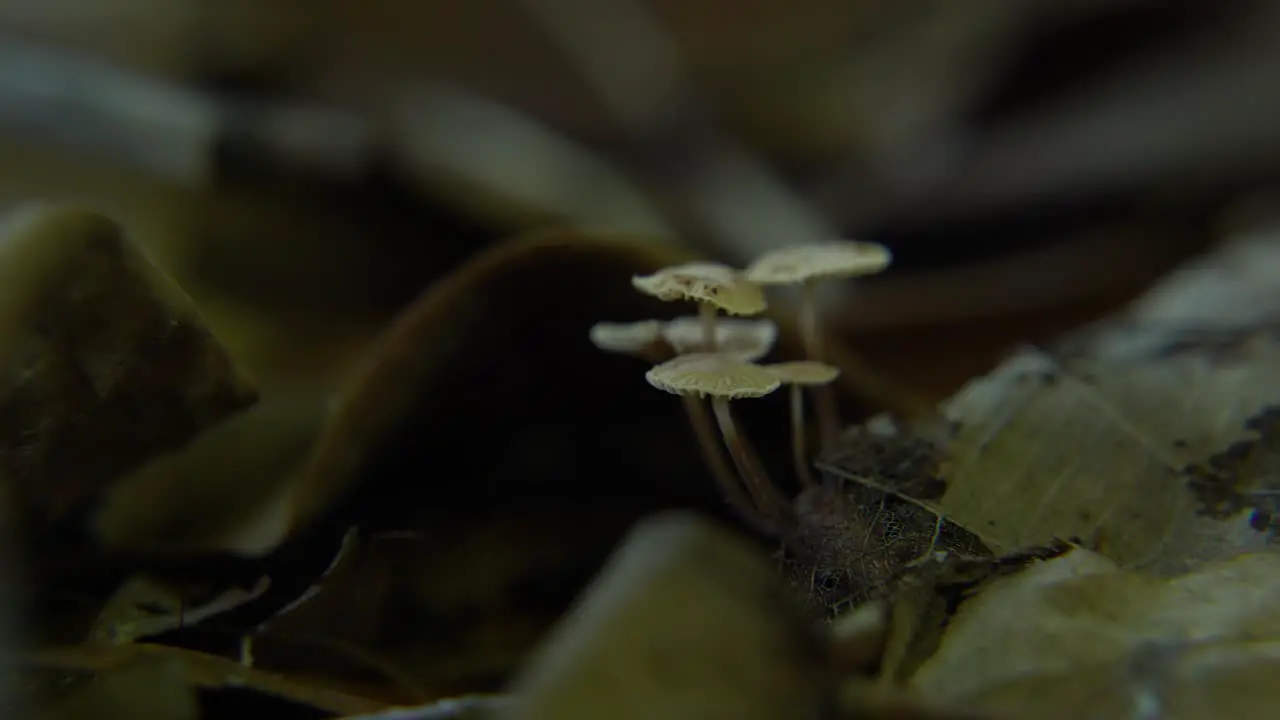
x=176 y=562
x=1151 y=446
x=1157 y=459
x=1091 y=525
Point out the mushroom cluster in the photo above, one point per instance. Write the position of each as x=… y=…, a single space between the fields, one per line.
x=709 y=358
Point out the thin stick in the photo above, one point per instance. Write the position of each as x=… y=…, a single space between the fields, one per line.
x=730 y=484
x=770 y=501
x=811 y=336
x=798 y=450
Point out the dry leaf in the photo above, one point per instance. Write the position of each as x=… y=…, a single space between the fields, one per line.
x=1155 y=444
x=686 y=621
x=228 y=489
x=926 y=594
x=483 y=310
x=106 y=361
x=449 y=609
x=852 y=543
x=1157 y=462
x=200 y=670
x=144 y=606
x=154 y=688
x=1078 y=637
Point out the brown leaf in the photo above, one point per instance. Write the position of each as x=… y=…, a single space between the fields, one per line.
x=227 y=489
x=200 y=670
x=152 y=687
x=1126 y=456
x=685 y=620
x=107 y=363
x=1154 y=443
x=143 y=606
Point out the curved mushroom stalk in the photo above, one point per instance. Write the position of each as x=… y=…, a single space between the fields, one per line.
x=811 y=336
x=807 y=265
x=722 y=378
x=772 y=503
x=799 y=444
x=729 y=485
x=645 y=339
x=799 y=375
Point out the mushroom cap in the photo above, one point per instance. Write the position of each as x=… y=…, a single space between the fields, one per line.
x=714 y=374
x=843 y=258
x=719 y=285
x=804 y=372
x=626 y=338
x=744 y=339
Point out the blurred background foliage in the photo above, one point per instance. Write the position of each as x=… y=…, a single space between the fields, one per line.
x=1029 y=164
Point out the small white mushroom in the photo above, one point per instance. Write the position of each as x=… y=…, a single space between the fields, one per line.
x=723 y=378
x=711 y=285
x=801 y=374
x=806 y=265
x=640 y=339
x=644 y=340
x=746 y=339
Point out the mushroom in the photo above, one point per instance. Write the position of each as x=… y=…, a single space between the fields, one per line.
x=746 y=339
x=724 y=378
x=805 y=265
x=712 y=285
x=800 y=374
x=641 y=339
x=644 y=340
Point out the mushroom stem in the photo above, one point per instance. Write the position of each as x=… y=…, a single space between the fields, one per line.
x=707 y=313
x=811 y=336
x=771 y=502
x=798 y=450
x=729 y=484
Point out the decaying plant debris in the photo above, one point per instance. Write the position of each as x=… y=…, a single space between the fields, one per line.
x=1088 y=530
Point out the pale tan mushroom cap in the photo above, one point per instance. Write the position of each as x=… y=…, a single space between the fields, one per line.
x=713 y=283
x=713 y=374
x=804 y=372
x=844 y=258
x=626 y=338
x=744 y=339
